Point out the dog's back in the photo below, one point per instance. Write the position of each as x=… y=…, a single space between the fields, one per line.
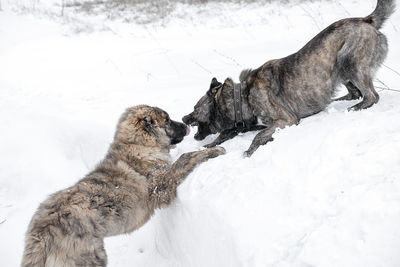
x=51 y=242
x=69 y=227
x=349 y=51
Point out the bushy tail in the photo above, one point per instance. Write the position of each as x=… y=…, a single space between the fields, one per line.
x=382 y=12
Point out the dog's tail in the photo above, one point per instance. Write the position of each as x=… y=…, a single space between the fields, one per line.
x=382 y=12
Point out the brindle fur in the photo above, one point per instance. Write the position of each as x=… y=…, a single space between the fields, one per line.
x=283 y=91
x=119 y=196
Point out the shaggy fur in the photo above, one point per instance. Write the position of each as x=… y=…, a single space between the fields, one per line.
x=283 y=91
x=119 y=196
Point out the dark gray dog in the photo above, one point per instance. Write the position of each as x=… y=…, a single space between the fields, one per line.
x=283 y=91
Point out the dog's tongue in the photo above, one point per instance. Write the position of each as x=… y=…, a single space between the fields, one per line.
x=187 y=130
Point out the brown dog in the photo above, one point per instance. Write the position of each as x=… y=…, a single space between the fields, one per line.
x=283 y=91
x=119 y=196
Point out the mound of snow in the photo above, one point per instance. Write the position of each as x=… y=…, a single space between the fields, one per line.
x=323 y=193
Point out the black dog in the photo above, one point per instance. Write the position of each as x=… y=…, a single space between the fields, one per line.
x=283 y=91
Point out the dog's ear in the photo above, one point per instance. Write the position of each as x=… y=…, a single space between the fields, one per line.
x=148 y=125
x=214 y=87
x=228 y=82
x=214 y=82
x=147 y=121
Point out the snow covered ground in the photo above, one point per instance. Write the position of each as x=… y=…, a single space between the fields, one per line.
x=325 y=193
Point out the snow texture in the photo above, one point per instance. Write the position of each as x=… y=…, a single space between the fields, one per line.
x=325 y=193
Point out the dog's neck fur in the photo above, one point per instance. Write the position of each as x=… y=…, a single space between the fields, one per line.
x=140 y=158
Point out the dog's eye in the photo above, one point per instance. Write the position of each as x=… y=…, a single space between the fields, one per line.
x=148 y=121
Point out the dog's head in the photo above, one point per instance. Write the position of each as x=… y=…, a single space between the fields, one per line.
x=204 y=113
x=149 y=126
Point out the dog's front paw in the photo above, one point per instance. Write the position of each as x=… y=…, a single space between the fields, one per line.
x=210 y=145
x=247 y=154
x=215 y=151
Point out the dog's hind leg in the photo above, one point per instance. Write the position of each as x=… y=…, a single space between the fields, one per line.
x=361 y=63
x=370 y=96
x=93 y=255
x=100 y=256
x=353 y=94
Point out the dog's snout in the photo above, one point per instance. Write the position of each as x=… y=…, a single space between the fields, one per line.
x=179 y=131
x=188 y=119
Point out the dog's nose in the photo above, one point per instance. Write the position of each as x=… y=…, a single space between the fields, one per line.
x=187 y=119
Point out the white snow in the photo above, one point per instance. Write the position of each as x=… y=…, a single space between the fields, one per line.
x=325 y=193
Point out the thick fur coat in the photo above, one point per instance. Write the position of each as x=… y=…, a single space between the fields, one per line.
x=118 y=196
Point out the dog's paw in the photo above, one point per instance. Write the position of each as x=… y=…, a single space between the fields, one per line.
x=215 y=151
x=354 y=108
x=247 y=154
x=209 y=145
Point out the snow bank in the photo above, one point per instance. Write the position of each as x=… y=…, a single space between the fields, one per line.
x=324 y=193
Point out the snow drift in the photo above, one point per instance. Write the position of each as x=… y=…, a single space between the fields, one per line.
x=323 y=193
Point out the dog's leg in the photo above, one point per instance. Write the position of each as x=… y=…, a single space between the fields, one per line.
x=229 y=134
x=265 y=135
x=370 y=96
x=255 y=128
x=100 y=253
x=222 y=137
x=353 y=94
x=163 y=187
x=91 y=253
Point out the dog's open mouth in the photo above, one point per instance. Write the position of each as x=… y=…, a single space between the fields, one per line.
x=202 y=131
x=203 y=128
x=187 y=130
